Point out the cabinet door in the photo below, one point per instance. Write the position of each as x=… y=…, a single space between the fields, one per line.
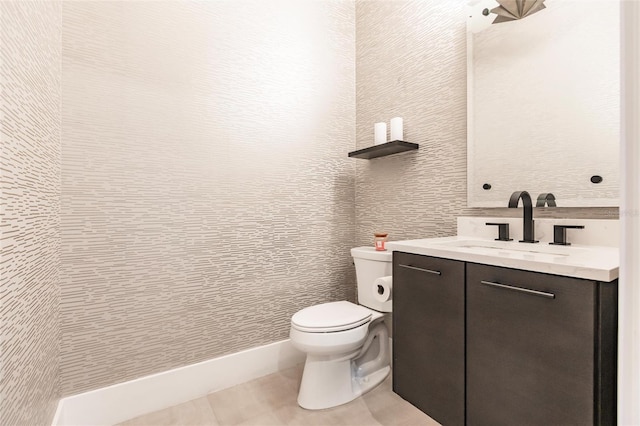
x=428 y=335
x=530 y=348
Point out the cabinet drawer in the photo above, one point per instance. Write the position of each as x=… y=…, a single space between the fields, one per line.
x=428 y=330
x=530 y=348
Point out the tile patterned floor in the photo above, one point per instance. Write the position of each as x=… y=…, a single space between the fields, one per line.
x=271 y=400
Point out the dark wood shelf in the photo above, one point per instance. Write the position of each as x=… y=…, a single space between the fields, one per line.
x=389 y=148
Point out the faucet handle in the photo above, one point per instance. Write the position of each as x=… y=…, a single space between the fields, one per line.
x=503 y=231
x=560 y=234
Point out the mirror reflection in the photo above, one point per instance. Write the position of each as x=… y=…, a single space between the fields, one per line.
x=544 y=103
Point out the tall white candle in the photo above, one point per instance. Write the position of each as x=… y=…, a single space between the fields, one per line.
x=396 y=129
x=380 y=133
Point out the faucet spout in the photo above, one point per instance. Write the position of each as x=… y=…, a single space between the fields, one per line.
x=527 y=217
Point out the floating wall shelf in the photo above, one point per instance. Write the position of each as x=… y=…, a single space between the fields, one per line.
x=389 y=148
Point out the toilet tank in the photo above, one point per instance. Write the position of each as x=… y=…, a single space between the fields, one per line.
x=370 y=265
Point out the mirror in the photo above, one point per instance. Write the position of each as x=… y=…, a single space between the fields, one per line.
x=543 y=104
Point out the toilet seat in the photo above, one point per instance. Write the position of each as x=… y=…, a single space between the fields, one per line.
x=331 y=317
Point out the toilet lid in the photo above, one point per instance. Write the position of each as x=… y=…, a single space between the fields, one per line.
x=330 y=317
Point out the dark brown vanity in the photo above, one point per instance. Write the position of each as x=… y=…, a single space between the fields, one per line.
x=485 y=345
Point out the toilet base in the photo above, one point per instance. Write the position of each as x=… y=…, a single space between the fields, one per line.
x=329 y=384
x=332 y=380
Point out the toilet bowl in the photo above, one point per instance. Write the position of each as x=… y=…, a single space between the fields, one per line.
x=347 y=345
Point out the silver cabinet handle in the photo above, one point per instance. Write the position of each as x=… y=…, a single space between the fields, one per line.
x=420 y=269
x=520 y=289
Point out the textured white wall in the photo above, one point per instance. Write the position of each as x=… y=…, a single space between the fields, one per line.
x=29 y=211
x=410 y=62
x=206 y=189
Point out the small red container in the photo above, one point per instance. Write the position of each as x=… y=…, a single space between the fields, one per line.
x=379 y=240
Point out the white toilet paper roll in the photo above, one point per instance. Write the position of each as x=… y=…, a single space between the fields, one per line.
x=382 y=288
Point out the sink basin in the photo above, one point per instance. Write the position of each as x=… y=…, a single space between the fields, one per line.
x=512 y=249
x=588 y=262
x=513 y=246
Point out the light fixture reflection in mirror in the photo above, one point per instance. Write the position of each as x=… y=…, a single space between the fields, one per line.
x=511 y=10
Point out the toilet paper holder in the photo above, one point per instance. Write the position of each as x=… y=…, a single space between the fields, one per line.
x=382 y=288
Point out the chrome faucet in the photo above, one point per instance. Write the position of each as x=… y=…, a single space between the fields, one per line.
x=527 y=218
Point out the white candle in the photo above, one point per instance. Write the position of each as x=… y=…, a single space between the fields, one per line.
x=380 y=133
x=396 y=129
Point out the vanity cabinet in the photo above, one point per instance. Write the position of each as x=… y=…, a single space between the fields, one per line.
x=428 y=335
x=536 y=349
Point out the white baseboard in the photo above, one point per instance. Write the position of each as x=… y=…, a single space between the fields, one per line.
x=123 y=401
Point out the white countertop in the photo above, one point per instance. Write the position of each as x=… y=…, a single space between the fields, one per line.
x=590 y=262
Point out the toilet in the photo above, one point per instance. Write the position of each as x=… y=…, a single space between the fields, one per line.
x=347 y=345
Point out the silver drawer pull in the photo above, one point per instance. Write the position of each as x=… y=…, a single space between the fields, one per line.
x=420 y=269
x=520 y=289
